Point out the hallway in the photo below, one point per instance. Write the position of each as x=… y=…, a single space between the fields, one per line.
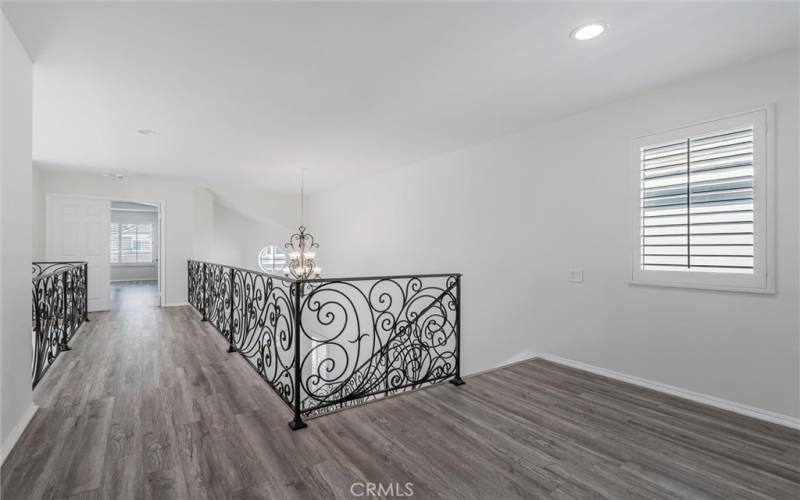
x=149 y=405
x=134 y=294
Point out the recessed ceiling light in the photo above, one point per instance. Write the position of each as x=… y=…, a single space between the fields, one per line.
x=588 y=31
x=146 y=131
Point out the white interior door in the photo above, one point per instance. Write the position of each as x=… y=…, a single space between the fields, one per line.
x=78 y=229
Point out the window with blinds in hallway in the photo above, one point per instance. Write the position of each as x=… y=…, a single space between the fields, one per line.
x=702 y=211
x=131 y=243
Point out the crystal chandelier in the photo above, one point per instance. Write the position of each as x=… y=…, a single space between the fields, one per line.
x=301 y=249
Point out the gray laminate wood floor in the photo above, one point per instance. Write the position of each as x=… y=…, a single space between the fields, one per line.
x=136 y=294
x=149 y=405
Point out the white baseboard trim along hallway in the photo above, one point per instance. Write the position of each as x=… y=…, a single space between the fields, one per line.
x=723 y=404
x=12 y=438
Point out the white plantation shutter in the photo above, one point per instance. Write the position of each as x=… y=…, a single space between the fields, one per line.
x=697 y=204
x=131 y=243
x=702 y=216
x=114 y=243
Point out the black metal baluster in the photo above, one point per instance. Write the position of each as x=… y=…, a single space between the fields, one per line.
x=37 y=365
x=86 y=292
x=297 y=423
x=457 y=380
x=204 y=303
x=65 y=323
x=231 y=347
x=74 y=316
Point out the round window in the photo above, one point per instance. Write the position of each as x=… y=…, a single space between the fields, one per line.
x=271 y=259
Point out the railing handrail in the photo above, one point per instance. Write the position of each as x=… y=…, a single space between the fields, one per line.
x=49 y=270
x=59 y=262
x=379 y=278
x=328 y=280
x=254 y=271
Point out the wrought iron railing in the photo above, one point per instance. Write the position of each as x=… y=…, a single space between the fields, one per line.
x=59 y=309
x=326 y=344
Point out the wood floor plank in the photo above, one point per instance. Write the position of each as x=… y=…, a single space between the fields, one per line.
x=123 y=478
x=149 y=404
x=166 y=484
x=85 y=470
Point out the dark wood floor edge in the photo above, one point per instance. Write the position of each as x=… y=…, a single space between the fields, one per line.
x=678 y=392
x=15 y=436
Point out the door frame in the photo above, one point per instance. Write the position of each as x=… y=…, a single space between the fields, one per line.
x=162 y=224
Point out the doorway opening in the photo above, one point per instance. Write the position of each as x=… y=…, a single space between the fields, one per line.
x=134 y=255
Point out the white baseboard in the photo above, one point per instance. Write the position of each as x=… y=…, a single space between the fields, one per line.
x=513 y=360
x=176 y=304
x=17 y=431
x=724 y=404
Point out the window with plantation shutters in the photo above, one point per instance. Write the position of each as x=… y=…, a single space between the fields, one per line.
x=131 y=243
x=702 y=217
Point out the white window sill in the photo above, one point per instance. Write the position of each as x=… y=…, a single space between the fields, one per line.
x=723 y=283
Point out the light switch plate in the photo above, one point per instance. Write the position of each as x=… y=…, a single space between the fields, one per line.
x=575 y=276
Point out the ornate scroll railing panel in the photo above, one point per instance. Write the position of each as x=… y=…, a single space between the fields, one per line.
x=326 y=344
x=58 y=309
x=369 y=338
x=218 y=298
x=196 y=284
x=263 y=327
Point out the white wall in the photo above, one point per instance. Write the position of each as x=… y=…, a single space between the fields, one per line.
x=516 y=213
x=203 y=223
x=37 y=216
x=268 y=208
x=15 y=237
x=238 y=238
x=178 y=210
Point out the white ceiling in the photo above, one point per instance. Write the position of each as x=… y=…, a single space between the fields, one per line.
x=248 y=93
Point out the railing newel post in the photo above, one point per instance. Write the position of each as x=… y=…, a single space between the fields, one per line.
x=297 y=423
x=63 y=344
x=231 y=346
x=86 y=291
x=74 y=317
x=38 y=335
x=204 y=302
x=457 y=380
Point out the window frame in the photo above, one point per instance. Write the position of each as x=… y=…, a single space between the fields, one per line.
x=277 y=248
x=153 y=258
x=763 y=278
